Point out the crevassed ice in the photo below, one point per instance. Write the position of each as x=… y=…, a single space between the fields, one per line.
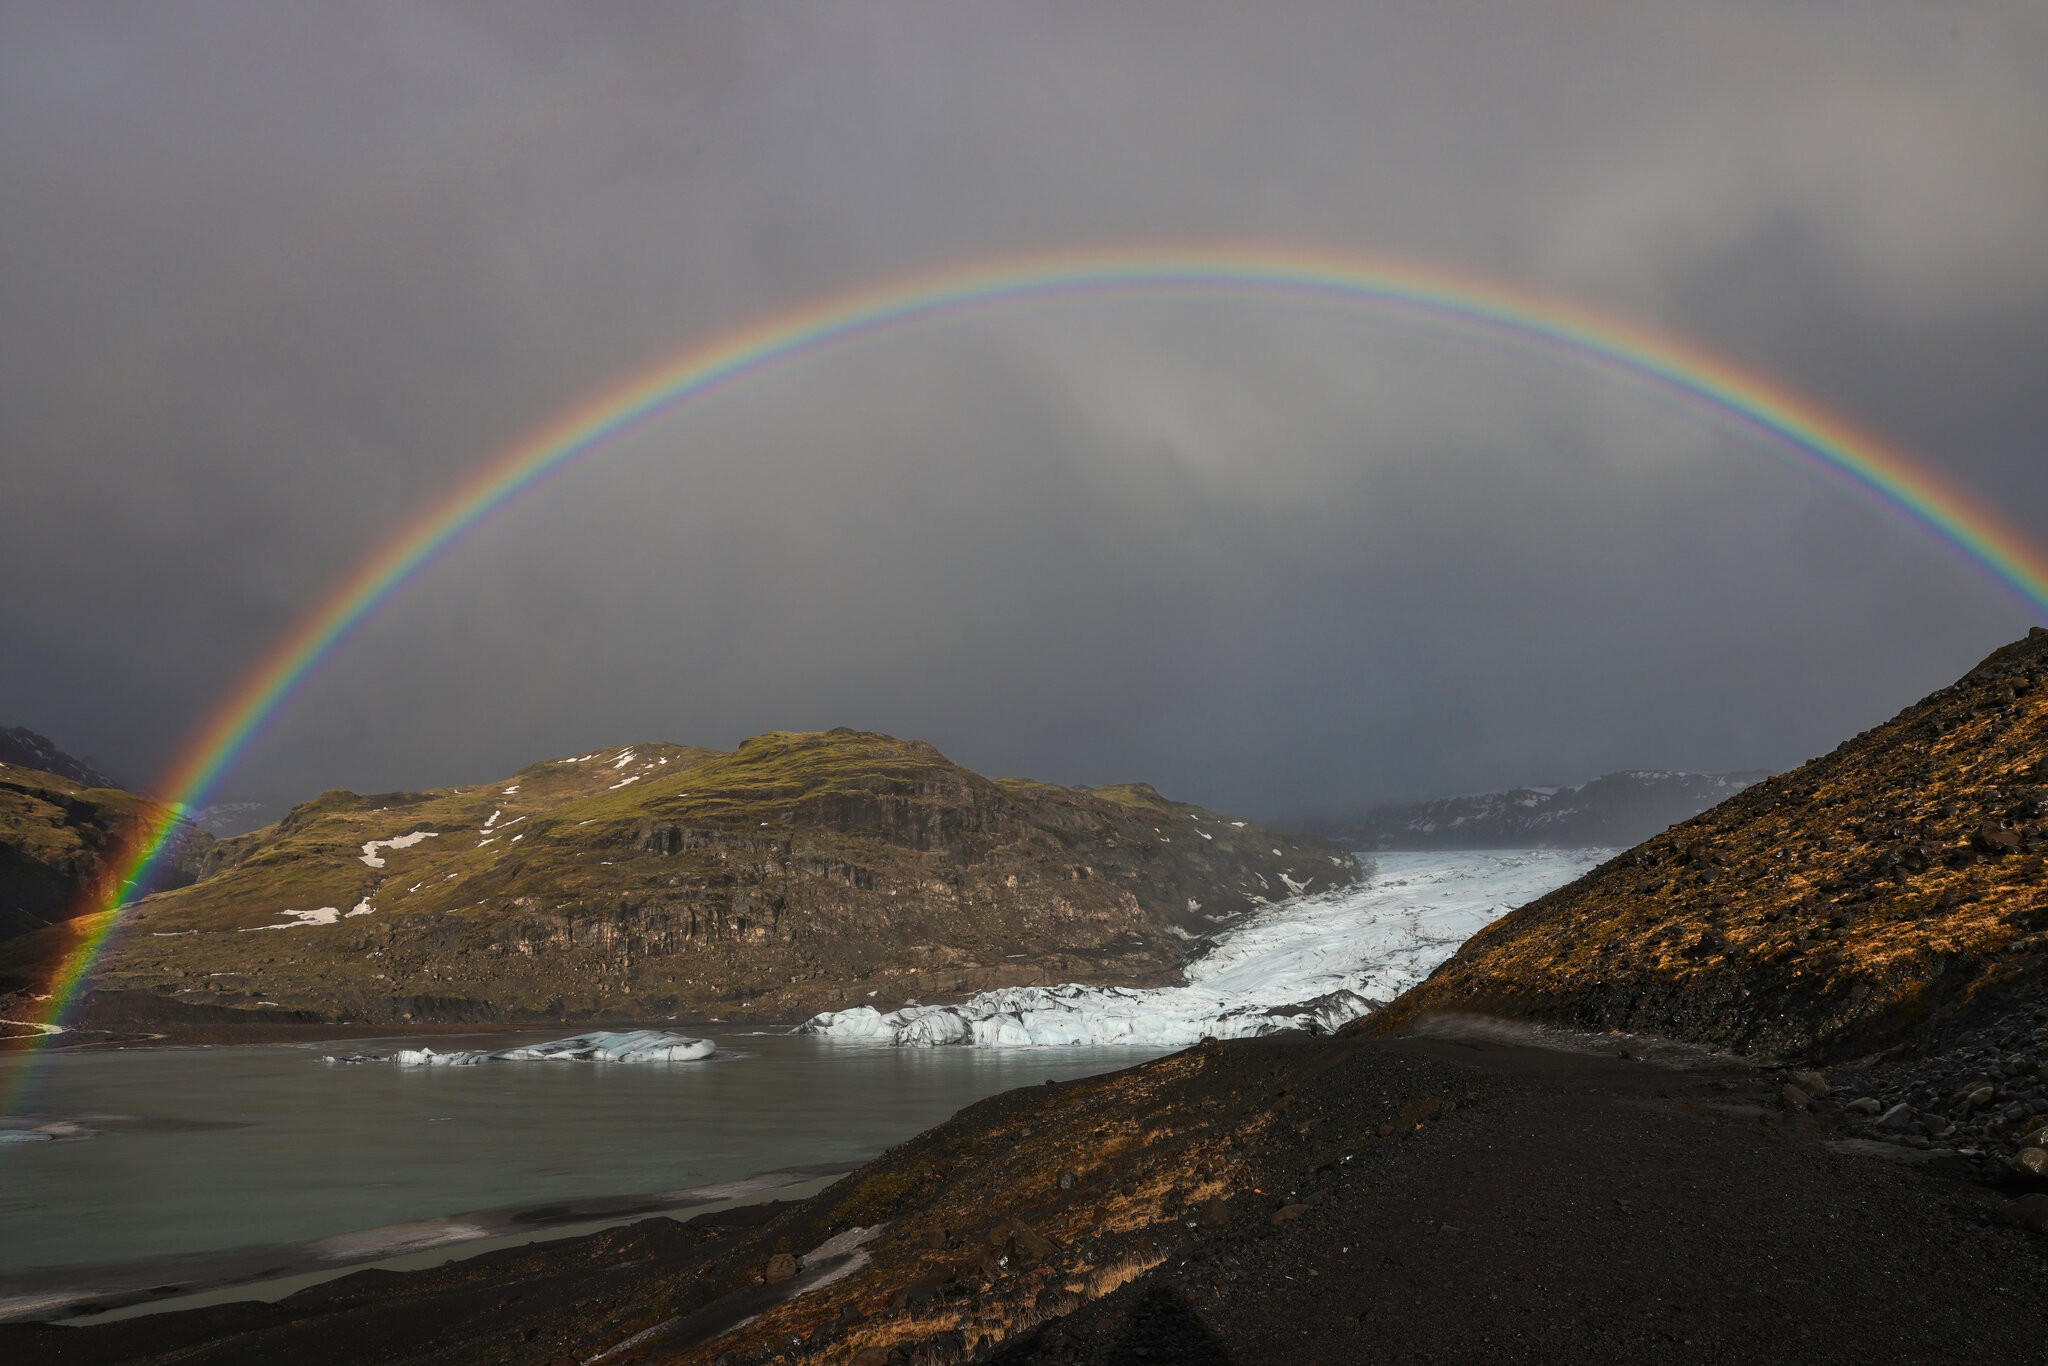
x=1309 y=963
x=639 y=1045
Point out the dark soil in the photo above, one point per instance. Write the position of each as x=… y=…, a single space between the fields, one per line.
x=1594 y=1208
x=1472 y=1195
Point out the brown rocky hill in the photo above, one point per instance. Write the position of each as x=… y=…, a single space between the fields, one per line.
x=798 y=873
x=58 y=834
x=1891 y=892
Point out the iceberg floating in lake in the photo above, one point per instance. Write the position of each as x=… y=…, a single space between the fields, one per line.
x=1311 y=963
x=639 y=1045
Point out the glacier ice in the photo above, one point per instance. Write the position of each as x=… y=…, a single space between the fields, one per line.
x=639 y=1045
x=1310 y=963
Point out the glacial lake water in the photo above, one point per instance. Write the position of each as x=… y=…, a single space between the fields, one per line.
x=203 y=1149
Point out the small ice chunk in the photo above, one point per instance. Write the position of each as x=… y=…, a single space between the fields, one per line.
x=639 y=1045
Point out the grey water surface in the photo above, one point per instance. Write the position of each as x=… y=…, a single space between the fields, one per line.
x=203 y=1149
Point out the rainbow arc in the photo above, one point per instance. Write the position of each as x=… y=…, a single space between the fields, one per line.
x=1789 y=422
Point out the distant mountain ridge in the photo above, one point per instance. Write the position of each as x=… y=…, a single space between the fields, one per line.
x=1892 y=891
x=1614 y=810
x=21 y=747
x=226 y=819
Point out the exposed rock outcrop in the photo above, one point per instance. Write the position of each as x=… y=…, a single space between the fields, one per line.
x=801 y=872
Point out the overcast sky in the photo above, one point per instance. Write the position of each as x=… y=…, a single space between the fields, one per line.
x=273 y=275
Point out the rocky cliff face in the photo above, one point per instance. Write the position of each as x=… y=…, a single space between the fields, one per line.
x=799 y=873
x=58 y=838
x=1612 y=811
x=1892 y=892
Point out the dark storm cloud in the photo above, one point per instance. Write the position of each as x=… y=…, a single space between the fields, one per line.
x=272 y=279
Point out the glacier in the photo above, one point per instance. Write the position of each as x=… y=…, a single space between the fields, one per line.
x=1309 y=963
x=639 y=1045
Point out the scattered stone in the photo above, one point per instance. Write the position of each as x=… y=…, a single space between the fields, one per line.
x=1813 y=1083
x=780 y=1267
x=1068 y=1178
x=1899 y=1117
x=2032 y=1161
x=1792 y=1098
x=1287 y=1214
x=1214 y=1212
x=1864 y=1105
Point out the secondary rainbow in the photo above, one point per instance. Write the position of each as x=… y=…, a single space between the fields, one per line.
x=1787 y=420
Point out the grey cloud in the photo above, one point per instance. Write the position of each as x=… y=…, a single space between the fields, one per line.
x=278 y=277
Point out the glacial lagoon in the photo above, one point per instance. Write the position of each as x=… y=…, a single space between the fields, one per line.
x=200 y=1150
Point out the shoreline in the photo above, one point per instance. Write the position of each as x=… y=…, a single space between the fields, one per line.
x=262 y=1032
x=78 y=1296
x=1481 y=1189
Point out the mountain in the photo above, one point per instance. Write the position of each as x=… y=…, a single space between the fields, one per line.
x=242 y=815
x=23 y=748
x=798 y=873
x=1892 y=891
x=59 y=833
x=1615 y=810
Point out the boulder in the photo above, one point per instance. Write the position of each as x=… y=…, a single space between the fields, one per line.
x=1813 y=1083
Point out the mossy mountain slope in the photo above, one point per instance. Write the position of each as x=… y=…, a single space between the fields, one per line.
x=58 y=837
x=1886 y=893
x=797 y=873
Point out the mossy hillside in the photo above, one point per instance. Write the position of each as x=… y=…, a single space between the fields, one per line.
x=59 y=838
x=1818 y=913
x=800 y=872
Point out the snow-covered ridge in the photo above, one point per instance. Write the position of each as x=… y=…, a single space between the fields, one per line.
x=1310 y=963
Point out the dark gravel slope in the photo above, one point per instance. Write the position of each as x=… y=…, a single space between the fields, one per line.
x=1593 y=1208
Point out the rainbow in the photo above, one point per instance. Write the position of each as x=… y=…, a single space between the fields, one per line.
x=1784 y=418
